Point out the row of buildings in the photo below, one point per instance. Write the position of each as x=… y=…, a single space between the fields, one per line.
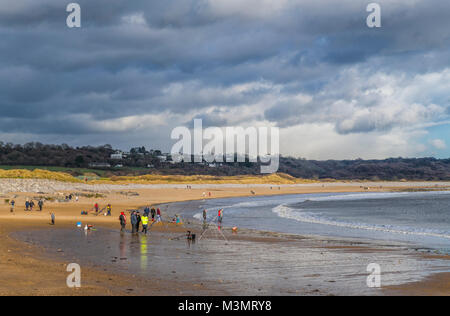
x=119 y=156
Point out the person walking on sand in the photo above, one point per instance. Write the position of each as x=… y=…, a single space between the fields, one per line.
x=153 y=214
x=41 y=205
x=144 y=224
x=31 y=205
x=123 y=221
x=96 y=207
x=108 y=210
x=158 y=215
x=13 y=203
x=133 y=222
x=220 y=217
x=27 y=205
x=52 y=215
x=138 y=221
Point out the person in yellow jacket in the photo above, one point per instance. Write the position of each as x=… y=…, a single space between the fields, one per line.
x=144 y=220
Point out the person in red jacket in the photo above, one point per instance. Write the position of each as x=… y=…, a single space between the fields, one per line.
x=158 y=215
x=123 y=221
x=220 y=217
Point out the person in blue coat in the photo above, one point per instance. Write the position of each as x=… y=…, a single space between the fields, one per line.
x=133 y=222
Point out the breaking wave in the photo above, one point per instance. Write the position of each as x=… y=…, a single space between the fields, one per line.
x=300 y=215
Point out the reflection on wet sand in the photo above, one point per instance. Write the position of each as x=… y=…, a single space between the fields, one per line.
x=239 y=266
x=144 y=258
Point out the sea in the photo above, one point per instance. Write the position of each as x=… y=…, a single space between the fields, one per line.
x=420 y=219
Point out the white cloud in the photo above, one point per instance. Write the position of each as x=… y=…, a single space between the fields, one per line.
x=249 y=8
x=438 y=143
x=135 y=19
x=358 y=102
x=321 y=141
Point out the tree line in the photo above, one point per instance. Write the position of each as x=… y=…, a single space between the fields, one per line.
x=139 y=159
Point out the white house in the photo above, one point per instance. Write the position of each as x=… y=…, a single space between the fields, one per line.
x=162 y=158
x=117 y=156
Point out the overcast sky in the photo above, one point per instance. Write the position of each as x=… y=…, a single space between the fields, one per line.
x=137 y=69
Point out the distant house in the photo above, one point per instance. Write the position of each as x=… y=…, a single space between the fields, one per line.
x=117 y=156
x=99 y=165
x=162 y=158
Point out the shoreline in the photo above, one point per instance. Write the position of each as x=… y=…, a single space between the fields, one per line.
x=431 y=284
x=39 y=221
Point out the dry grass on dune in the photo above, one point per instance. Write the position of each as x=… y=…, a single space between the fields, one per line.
x=37 y=174
x=278 y=178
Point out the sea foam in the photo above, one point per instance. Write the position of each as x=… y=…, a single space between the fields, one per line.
x=300 y=215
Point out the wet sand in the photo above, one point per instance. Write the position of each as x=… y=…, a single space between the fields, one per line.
x=238 y=265
x=28 y=270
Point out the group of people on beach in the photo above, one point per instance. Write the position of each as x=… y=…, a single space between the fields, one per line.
x=70 y=197
x=107 y=207
x=29 y=205
x=136 y=219
x=219 y=216
x=98 y=211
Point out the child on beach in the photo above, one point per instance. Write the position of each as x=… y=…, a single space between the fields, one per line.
x=52 y=215
x=176 y=219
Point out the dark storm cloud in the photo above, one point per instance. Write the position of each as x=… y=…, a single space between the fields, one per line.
x=135 y=58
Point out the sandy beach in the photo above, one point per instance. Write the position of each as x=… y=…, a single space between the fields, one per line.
x=28 y=269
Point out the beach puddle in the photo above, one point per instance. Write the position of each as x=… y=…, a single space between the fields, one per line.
x=236 y=267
